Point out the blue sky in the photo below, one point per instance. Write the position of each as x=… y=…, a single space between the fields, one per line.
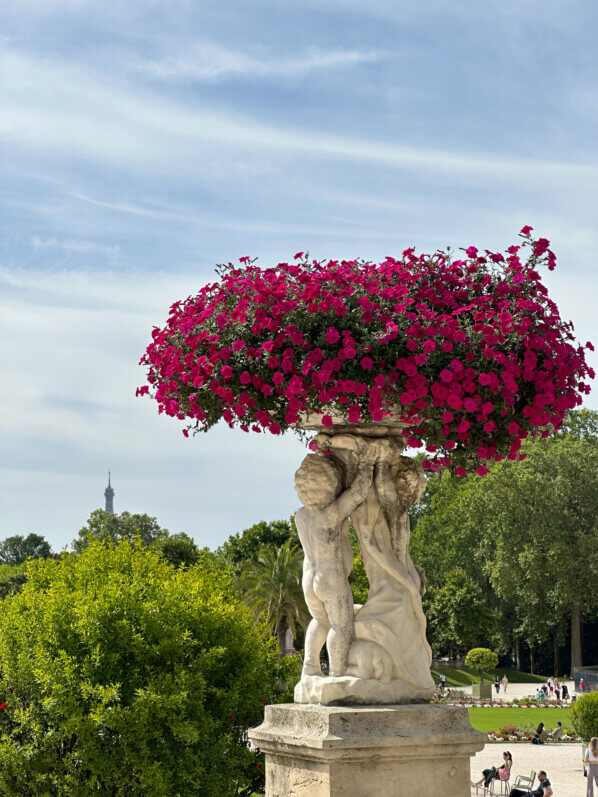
x=143 y=142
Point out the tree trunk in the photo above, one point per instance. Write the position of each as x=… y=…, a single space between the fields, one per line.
x=576 y=654
x=532 y=660
x=281 y=635
x=555 y=644
x=518 y=655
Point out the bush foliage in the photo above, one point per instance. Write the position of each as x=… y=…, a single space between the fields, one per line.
x=584 y=715
x=121 y=675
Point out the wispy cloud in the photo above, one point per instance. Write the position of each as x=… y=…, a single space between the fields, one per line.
x=74 y=246
x=53 y=108
x=209 y=61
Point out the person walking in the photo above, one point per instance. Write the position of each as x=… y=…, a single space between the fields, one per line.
x=505 y=683
x=582 y=685
x=565 y=691
x=591 y=761
x=497 y=685
x=442 y=681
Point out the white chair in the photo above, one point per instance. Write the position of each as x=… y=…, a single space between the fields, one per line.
x=525 y=781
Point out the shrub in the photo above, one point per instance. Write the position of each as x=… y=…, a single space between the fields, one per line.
x=480 y=659
x=121 y=675
x=584 y=715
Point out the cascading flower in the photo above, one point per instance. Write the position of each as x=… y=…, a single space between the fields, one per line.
x=469 y=352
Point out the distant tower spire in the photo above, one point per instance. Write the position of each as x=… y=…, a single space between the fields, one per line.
x=109 y=496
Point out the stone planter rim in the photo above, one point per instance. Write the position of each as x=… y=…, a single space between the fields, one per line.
x=312 y=422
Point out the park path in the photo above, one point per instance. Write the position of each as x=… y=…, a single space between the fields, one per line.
x=515 y=690
x=561 y=761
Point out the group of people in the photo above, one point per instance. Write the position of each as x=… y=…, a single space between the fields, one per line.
x=544 y=789
x=504 y=682
x=553 y=689
x=541 y=733
x=503 y=772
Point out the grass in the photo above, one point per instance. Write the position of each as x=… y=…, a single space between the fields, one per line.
x=491 y=719
x=466 y=678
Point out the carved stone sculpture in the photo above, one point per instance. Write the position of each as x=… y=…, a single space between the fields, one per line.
x=378 y=652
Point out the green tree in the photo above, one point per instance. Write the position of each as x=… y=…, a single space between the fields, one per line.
x=121 y=675
x=481 y=659
x=458 y=613
x=541 y=516
x=581 y=423
x=446 y=541
x=178 y=549
x=525 y=534
x=106 y=527
x=17 y=549
x=272 y=588
x=246 y=546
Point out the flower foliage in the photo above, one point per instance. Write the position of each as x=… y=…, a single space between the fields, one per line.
x=469 y=351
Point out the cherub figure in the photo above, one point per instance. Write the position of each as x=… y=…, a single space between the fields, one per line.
x=323 y=527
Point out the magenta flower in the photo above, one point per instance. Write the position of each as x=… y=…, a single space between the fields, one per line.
x=354 y=413
x=471 y=353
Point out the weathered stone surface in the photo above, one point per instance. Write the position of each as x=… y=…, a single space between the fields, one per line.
x=378 y=652
x=367 y=751
x=347 y=690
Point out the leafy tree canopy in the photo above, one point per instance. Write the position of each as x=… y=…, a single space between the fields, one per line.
x=459 y=614
x=178 y=549
x=106 y=527
x=525 y=534
x=245 y=547
x=17 y=549
x=581 y=423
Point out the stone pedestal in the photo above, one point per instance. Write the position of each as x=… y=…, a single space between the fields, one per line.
x=417 y=750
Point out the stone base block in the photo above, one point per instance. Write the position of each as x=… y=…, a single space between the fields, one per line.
x=329 y=690
x=367 y=751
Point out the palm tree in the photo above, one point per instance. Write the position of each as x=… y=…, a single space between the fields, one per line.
x=272 y=588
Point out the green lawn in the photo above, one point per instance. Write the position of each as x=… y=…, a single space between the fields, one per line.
x=465 y=677
x=491 y=719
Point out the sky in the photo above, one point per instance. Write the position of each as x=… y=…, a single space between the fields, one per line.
x=142 y=143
